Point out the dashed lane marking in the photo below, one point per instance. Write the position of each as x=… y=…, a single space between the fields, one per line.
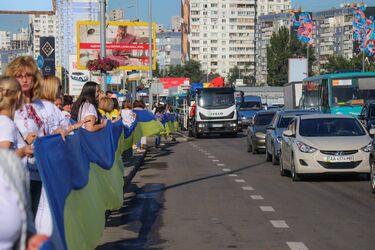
x=239 y=180
x=297 y=245
x=221 y=165
x=227 y=169
x=279 y=224
x=215 y=160
x=232 y=175
x=256 y=197
x=211 y=157
x=267 y=209
x=248 y=188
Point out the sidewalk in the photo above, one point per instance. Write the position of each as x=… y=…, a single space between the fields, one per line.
x=120 y=227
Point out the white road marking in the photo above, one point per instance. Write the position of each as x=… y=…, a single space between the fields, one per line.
x=215 y=160
x=256 y=197
x=239 y=180
x=211 y=157
x=207 y=153
x=279 y=224
x=232 y=175
x=227 y=169
x=221 y=165
x=267 y=209
x=297 y=245
x=248 y=188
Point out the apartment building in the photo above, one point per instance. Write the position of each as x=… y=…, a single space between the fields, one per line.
x=176 y=23
x=266 y=26
x=20 y=40
x=220 y=34
x=42 y=26
x=4 y=40
x=266 y=7
x=168 y=46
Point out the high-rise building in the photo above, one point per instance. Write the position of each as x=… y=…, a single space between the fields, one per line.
x=42 y=26
x=266 y=7
x=168 y=47
x=4 y=40
x=221 y=34
x=116 y=15
x=20 y=40
x=69 y=12
x=176 y=24
x=266 y=26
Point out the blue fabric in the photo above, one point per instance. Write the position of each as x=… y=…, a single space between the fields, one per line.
x=64 y=166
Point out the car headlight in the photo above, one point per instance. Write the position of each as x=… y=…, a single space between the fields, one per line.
x=367 y=148
x=305 y=148
x=278 y=139
x=201 y=125
x=260 y=135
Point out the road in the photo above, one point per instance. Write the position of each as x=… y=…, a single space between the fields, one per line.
x=211 y=194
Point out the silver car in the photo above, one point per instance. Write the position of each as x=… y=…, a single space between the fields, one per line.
x=325 y=143
x=275 y=130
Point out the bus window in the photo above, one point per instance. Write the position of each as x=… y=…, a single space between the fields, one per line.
x=311 y=97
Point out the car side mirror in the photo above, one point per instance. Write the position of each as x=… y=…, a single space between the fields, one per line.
x=361 y=117
x=372 y=132
x=288 y=133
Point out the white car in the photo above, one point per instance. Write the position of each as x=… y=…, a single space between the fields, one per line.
x=82 y=77
x=325 y=143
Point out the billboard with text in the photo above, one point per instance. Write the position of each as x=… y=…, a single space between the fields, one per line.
x=127 y=43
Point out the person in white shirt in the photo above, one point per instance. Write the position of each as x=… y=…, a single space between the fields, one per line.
x=86 y=108
x=55 y=122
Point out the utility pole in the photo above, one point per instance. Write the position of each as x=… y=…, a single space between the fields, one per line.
x=150 y=51
x=103 y=41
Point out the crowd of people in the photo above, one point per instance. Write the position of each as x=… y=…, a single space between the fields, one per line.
x=31 y=106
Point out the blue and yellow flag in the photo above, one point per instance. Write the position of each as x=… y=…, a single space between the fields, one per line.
x=83 y=178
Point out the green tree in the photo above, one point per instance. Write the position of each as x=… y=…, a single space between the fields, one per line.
x=297 y=49
x=338 y=62
x=277 y=57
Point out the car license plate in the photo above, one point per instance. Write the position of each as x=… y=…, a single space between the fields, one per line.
x=217 y=125
x=342 y=158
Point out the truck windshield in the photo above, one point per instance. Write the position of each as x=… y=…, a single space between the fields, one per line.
x=217 y=99
x=250 y=106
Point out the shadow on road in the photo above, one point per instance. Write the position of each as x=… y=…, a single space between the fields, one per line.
x=139 y=215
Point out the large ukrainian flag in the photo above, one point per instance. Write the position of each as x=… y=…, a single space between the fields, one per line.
x=83 y=178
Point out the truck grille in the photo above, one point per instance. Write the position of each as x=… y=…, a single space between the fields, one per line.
x=203 y=117
x=339 y=165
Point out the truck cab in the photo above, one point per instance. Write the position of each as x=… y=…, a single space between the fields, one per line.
x=215 y=112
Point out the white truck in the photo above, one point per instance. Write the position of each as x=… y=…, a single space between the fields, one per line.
x=292 y=95
x=215 y=112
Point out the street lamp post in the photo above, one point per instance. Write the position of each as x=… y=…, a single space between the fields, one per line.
x=103 y=41
x=150 y=50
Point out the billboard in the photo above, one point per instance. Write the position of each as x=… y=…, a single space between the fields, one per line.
x=174 y=82
x=77 y=77
x=127 y=43
x=364 y=30
x=47 y=51
x=28 y=7
x=297 y=69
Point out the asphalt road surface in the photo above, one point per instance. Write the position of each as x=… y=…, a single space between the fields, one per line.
x=210 y=193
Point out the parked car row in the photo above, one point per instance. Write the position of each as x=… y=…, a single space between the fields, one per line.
x=306 y=142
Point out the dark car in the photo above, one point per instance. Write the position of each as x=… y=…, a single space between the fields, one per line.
x=275 y=130
x=367 y=116
x=256 y=132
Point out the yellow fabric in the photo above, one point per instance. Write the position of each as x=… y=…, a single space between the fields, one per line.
x=85 y=208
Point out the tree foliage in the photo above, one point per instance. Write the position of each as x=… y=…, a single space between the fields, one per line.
x=283 y=46
x=236 y=73
x=191 y=69
x=339 y=63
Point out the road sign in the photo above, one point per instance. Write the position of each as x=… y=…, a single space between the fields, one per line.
x=40 y=61
x=47 y=52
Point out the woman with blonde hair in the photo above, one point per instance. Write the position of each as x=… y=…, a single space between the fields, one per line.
x=28 y=122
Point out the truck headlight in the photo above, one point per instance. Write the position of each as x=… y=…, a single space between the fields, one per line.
x=233 y=124
x=200 y=125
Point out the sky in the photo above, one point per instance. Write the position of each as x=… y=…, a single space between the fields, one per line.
x=162 y=12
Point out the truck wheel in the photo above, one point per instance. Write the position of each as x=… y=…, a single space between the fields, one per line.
x=190 y=133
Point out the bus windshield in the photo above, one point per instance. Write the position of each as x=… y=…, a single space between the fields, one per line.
x=311 y=99
x=350 y=95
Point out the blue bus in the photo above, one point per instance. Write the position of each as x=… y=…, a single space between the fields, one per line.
x=343 y=93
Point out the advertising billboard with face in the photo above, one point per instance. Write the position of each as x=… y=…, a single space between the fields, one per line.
x=127 y=43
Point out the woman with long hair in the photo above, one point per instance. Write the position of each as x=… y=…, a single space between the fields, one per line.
x=28 y=122
x=86 y=108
